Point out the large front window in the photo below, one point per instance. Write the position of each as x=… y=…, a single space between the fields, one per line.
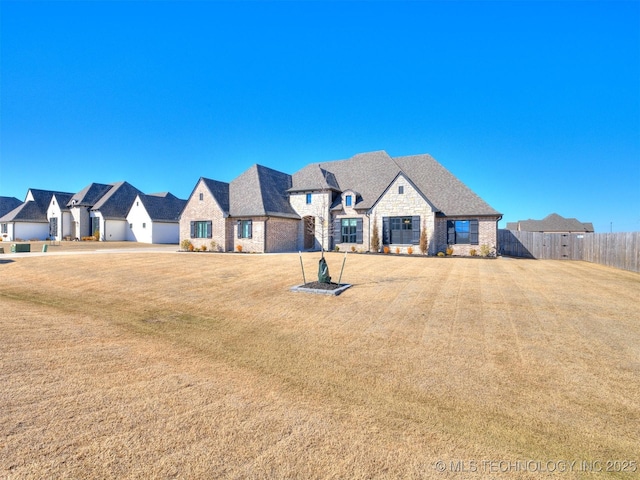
x=53 y=227
x=401 y=230
x=349 y=230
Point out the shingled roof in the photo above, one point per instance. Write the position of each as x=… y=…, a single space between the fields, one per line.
x=34 y=208
x=220 y=191
x=89 y=195
x=7 y=204
x=164 y=207
x=261 y=191
x=370 y=174
x=552 y=223
x=115 y=204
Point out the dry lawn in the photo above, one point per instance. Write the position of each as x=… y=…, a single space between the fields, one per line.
x=197 y=365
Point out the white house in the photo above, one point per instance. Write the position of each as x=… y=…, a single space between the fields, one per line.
x=155 y=218
x=59 y=216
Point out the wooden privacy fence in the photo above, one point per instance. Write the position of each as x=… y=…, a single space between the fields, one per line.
x=620 y=250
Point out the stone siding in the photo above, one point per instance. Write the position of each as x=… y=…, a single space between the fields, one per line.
x=318 y=209
x=409 y=203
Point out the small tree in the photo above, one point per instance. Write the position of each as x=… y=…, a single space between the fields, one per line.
x=424 y=244
x=375 y=237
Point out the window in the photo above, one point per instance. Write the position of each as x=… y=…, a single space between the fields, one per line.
x=4 y=228
x=144 y=225
x=462 y=232
x=400 y=189
x=53 y=227
x=245 y=228
x=201 y=196
x=348 y=200
x=349 y=230
x=308 y=199
x=201 y=229
x=401 y=230
x=131 y=226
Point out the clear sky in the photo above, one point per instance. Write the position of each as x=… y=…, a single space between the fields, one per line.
x=534 y=105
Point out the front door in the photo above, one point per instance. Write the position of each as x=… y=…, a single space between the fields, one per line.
x=309 y=233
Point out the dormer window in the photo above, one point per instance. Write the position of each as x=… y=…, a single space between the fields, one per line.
x=201 y=196
x=348 y=200
x=308 y=199
x=400 y=189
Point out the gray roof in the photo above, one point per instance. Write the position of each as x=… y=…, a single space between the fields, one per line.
x=34 y=210
x=116 y=203
x=7 y=204
x=220 y=191
x=370 y=174
x=63 y=200
x=551 y=223
x=261 y=191
x=89 y=195
x=163 y=207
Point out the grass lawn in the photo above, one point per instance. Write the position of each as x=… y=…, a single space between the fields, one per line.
x=200 y=365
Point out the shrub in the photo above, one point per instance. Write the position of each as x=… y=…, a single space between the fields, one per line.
x=184 y=244
x=386 y=249
x=397 y=249
x=410 y=250
x=375 y=238
x=337 y=248
x=473 y=252
x=423 y=239
x=353 y=248
x=96 y=235
x=441 y=254
x=214 y=246
x=203 y=248
x=239 y=248
x=486 y=250
x=450 y=251
x=191 y=247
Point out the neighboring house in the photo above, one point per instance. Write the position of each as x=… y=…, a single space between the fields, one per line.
x=80 y=206
x=552 y=223
x=155 y=218
x=28 y=221
x=109 y=213
x=6 y=205
x=338 y=204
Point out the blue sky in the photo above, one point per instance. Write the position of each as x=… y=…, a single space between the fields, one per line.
x=534 y=105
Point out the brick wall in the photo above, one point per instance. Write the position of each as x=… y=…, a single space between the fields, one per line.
x=487 y=235
x=204 y=210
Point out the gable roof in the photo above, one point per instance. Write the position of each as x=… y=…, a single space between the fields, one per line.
x=115 y=204
x=63 y=200
x=34 y=208
x=7 y=204
x=444 y=190
x=162 y=207
x=551 y=223
x=261 y=191
x=371 y=174
x=89 y=195
x=220 y=192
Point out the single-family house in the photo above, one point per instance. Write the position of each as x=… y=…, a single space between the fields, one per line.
x=340 y=204
x=109 y=213
x=80 y=205
x=155 y=218
x=552 y=223
x=28 y=221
